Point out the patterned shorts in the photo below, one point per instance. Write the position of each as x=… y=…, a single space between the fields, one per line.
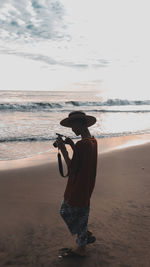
x=76 y=219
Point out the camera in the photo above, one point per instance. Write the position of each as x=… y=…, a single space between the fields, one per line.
x=59 y=135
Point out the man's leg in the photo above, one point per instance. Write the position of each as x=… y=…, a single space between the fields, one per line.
x=76 y=219
x=82 y=233
x=70 y=216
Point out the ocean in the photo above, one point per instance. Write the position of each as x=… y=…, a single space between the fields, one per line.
x=30 y=120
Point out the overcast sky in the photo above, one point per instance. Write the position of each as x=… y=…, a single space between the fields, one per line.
x=75 y=45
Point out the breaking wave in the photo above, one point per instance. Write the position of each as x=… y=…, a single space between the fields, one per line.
x=26 y=139
x=41 y=138
x=53 y=106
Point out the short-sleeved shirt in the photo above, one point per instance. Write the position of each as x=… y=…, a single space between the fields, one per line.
x=82 y=174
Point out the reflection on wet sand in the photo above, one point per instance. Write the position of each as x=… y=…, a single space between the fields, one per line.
x=104 y=145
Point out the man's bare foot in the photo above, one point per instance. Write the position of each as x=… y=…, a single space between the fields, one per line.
x=79 y=250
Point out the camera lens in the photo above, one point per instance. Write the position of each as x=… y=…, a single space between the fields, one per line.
x=55 y=144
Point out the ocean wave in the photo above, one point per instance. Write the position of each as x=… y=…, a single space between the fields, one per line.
x=110 y=102
x=53 y=106
x=121 y=111
x=51 y=139
x=28 y=107
x=109 y=111
x=26 y=139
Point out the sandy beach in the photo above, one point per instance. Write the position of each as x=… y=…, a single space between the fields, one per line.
x=32 y=231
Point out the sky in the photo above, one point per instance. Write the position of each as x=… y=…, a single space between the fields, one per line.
x=100 y=45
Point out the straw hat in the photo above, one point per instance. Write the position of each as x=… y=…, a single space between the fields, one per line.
x=74 y=115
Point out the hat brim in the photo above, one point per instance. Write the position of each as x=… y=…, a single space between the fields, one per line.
x=68 y=122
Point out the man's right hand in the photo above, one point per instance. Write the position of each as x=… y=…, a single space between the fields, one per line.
x=69 y=141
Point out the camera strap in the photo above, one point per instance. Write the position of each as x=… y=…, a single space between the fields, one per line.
x=60 y=165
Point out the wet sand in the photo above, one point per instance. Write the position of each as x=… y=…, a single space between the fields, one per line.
x=32 y=231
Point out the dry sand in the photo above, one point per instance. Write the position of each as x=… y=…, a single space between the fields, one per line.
x=32 y=231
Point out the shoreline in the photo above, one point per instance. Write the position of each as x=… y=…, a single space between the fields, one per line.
x=105 y=145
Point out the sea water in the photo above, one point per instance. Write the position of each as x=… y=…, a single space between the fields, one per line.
x=29 y=120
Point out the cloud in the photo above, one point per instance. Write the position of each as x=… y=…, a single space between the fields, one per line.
x=51 y=61
x=45 y=59
x=31 y=19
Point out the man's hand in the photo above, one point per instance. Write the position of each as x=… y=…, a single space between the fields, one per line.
x=69 y=141
x=60 y=144
x=62 y=147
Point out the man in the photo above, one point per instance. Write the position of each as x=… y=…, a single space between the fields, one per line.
x=82 y=173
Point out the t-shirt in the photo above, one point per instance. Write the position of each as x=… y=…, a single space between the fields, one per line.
x=82 y=173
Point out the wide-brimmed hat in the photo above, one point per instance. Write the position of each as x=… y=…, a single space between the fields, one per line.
x=74 y=115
